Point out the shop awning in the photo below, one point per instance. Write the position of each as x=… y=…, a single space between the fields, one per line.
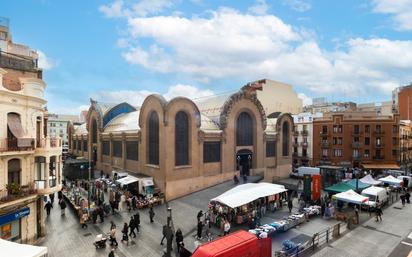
x=127 y=180
x=15 y=127
x=246 y=193
x=391 y=180
x=380 y=166
x=351 y=196
x=368 y=179
x=8 y=248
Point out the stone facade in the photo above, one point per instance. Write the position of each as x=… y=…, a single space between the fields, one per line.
x=218 y=127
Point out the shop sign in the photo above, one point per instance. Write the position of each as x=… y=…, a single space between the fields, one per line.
x=307 y=186
x=14 y=216
x=316 y=187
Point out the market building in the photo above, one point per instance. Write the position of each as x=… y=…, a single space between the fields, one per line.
x=30 y=161
x=189 y=145
x=357 y=139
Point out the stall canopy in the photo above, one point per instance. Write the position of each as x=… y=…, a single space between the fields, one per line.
x=361 y=185
x=380 y=166
x=368 y=179
x=246 y=193
x=14 y=125
x=351 y=196
x=391 y=180
x=339 y=188
x=127 y=180
x=8 y=248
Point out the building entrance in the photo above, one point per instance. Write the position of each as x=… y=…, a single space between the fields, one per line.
x=244 y=161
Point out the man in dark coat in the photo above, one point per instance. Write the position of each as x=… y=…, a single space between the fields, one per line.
x=132 y=227
x=48 y=207
x=51 y=198
x=62 y=206
x=179 y=239
x=137 y=221
x=199 y=215
x=199 y=229
x=151 y=214
x=164 y=232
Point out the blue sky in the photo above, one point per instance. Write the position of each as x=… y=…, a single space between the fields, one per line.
x=118 y=50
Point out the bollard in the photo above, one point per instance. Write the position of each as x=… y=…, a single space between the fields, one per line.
x=327 y=236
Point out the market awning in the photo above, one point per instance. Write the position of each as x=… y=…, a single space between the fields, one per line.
x=15 y=127
x=361 y=185
x=246 y=193
x=391 y=180
x=368 y=179
x=339 y=188
x=351 y=196
x=127 y=180
x=380 y=166
x=21 y=250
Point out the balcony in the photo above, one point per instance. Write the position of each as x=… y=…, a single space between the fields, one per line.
x=305 y=158
x=356 y=133
x=295 y=155
x=379 y=145
x=44 y=189
x=304 y=133
x=325 y=144
x=295 y=133
x=356 y=145
x=49 y=142
x=304 y=144
x=295 y=144
x=15 y=192
x=13 y=145
x=324 y=133
x=380 y=157
x=356 y=158
x=379 y=133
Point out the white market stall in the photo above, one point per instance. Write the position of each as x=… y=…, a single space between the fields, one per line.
x=351 y=196
x=8 y=248
x=391 y=180
x=368 y=179
x=246 y=193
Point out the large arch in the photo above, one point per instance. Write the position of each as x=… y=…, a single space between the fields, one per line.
x=116 y=111
x=245 y=129
x=147 y=106
x=183 y=100
x=94 y=112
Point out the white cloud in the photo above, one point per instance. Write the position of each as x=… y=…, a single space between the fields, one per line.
x=230 y=44
x=260 y=8
x=136 y=97
x=306 y=100
x=45 y=62
x=400 y=9
x=120 y=8
x=297 y=5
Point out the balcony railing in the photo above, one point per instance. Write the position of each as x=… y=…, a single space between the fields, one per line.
x=325 y=144
x=379 y=132
x=16 y=192
x=11 y=145
x=356 y=158
x=379 y=145
x=305 y=157
x=49 y=142
x=304 y=144
x=295 y=133
x=304 y=133
x=380 y=157
x=295 y=144
x=356 y=145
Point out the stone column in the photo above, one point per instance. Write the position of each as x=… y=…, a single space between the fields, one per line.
x=47 y=173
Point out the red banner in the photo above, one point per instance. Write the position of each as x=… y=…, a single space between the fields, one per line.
x=316 y=187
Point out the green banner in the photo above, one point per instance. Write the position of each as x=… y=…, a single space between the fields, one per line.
x=307 y=186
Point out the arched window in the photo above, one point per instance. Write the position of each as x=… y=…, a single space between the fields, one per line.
x=285 y=139
x=181 y=139
x=153 y=131
x=14 y=172
x=244 y=130
x=94 y=131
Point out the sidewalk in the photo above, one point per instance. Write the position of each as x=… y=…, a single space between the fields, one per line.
x=374 y=239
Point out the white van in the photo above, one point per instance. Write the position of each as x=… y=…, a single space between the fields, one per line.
x=375 y=193
x=302 y=171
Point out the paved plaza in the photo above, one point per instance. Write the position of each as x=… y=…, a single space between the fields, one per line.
x=65 y=237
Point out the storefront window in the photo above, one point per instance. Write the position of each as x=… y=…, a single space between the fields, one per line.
x=11 y=231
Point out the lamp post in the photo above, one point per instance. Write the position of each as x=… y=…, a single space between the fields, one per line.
x=169 y=233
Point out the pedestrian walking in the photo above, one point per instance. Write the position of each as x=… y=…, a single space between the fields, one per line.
x=48 y=206
x=134 y=202
x=357 y=214
x=226 y=228
x=51 y=196
x=164 y=232
x=151 y=214
x=199 y=215
x=62 y=207
x=132 y=227
x=112 y=225
x=113 y=240
x=378 y=213
x=235 y=179
x=125 y=231
x=403 y=200
x=290 y=205
x=199 y=229
x=111 y=254
x=137 y=221
x=83 y=220
x=408 y=197
x=179 y=239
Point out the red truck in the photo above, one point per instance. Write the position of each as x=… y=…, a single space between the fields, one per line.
x=236 y=244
